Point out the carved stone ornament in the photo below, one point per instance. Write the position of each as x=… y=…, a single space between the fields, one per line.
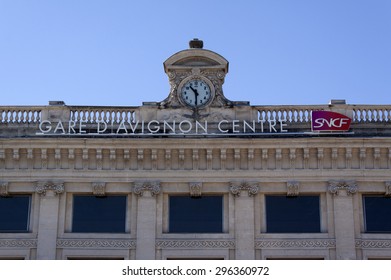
x=3 y=189
x=237 y=187
x=18 y=243
x=388 y=188
x=194 y=244
x=195 y=189
x=99 y=188
x=140 y=187
x=292 y=188
x=97 y=243
x=56 y=187
x=373 y=243
x=349 y=186
x=295 y=243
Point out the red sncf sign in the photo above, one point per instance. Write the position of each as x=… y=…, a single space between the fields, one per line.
x=329 y=121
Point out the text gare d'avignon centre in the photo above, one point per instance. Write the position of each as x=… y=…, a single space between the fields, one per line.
x=321 y=121
x=156 y=127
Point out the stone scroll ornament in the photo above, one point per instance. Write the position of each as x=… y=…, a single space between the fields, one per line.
x=195 y=189
x=388 y=188
x=349 y=186
x=42 y=187
x=251 y=188
x=99 y=188
x=4 y=189
x=292 y=188
x=140 y=187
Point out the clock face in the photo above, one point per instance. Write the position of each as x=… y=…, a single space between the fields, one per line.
x=196 y=93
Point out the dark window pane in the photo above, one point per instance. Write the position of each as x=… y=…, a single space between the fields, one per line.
x=99 y=214
x=14 y=213
x=292 y=214
x=196 y=215
x=95 y=258
x=377 y=213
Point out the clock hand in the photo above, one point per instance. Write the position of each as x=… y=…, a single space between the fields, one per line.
x=195 y=95
x=194 y=90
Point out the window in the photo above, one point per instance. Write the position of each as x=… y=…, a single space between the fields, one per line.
x=196 y=215
x=292 y=214
x=194 y=259
x=377 y=211
x=94 y=258
x=293 y=258
x=99 y=214
x=14 y=213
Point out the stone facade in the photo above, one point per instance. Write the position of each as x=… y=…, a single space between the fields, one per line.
x=149 y=167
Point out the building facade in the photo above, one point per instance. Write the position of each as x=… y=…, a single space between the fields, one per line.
x=195 y=176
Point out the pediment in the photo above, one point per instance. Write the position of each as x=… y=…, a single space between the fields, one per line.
x=195 y=62
x=195 y=58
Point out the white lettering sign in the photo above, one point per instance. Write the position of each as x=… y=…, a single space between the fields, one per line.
x=156 y=127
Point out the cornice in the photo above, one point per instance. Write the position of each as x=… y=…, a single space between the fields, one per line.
x=228 y=142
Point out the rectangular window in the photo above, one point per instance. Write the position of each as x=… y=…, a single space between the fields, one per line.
x=299 y=214
x=99 y=214
x=302 y=259
x=94 y=258
x=196 y=215
x=15 y=213
x=377 y=211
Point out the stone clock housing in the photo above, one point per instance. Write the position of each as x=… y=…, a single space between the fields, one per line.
x=196 y=64
x=185 y=70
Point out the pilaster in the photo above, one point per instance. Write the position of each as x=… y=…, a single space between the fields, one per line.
x=49 y=193
x=343 y=192
x=146 y=219
x=244 y=193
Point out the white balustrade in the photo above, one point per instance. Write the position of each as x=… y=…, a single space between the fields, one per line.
x=20 y=114
x=102 y=114
x=302 y=114
x=299 y=114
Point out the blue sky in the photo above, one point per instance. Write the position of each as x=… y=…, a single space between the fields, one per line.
x=111 y=52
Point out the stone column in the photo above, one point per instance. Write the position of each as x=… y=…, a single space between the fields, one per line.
x=48 y=219
x=244 y=193
x=344 y=218
x=146 y=219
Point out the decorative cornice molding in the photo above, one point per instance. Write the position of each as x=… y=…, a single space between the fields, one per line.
x=195 y=189
x=250 y=187
x=349 y=186
x=96 y=243
x=388 y=188
x=14 y=243
x=373 y=244
x=42 y=187
x=140 y=187
x=295 y=243
x=99 y=188
x=3 y=189
x=192 y=244
x=71 y=157
x=292 y=188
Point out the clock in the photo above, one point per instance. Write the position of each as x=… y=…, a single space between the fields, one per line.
x=196 y=92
